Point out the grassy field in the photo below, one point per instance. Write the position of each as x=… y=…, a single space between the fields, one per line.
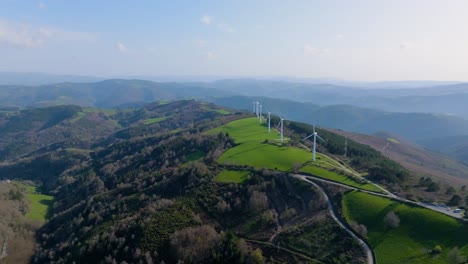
x=154 y=120
x=232 y=176
x=252 y=149
x=100 y=110
x=411 y=242
x=330 y=175
x=39 y=203
x=392 y=140
x=78 y=117
x=195 y=156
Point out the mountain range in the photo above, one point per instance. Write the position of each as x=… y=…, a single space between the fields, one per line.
x=422 y=115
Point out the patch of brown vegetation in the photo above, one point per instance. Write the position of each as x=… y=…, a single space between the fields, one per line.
x=418 y=160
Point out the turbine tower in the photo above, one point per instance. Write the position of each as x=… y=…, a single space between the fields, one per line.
x=315 y=136
x=281 y=128
x=269 y=120
x=260 y=117
x=346 y=147
x=254 y=107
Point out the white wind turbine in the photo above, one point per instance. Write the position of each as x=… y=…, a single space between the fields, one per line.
x=315 y=135
x=280 y=123
x=257 y=108
x=260 y=117
x=269 y=121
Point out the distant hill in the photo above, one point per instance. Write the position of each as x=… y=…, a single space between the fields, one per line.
x=443 y=97
x=104 y=94
x=455 y=146
x=415 y=118
x=420 y=161
x=412 y=126
x=36 y=78
x=434 y=97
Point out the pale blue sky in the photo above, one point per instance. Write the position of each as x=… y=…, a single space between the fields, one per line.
x=356 y=40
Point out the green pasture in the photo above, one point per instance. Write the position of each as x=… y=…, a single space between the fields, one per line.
x=39 y=203
x=258 y=148
x=154 y=120
x=232 y=176
x=419 y=231
x=331 y=175
x=197 y=155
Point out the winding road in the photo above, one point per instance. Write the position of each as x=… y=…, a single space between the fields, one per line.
x=4 y=249
x=331 y=210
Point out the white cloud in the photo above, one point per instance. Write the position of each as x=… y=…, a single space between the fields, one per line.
x=313 y=51
x=200 y=43
x=225 y=27
x=22 y=35
x=207 y=19
x=405 y=45
x=209 y=55
x=121 y=47
x=339 y=36
x=309 y=50
x=31 y=36
x=41 y=5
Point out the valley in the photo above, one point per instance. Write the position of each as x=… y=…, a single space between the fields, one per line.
x=159 y=175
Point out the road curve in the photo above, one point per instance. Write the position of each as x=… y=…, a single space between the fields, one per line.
x=362 y=243
x=4 y=249
x=389 y=195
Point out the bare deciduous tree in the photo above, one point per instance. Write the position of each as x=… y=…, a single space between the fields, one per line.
x=392 y=220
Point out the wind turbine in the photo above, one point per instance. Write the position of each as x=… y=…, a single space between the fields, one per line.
x=315 y=135
x=280 y=123
x=257 y=106
x=346 y=147
x=254 y=107
x=260 y=117
x=269 y=120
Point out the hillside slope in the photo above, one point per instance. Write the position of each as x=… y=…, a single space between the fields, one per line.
x=421 y=161
x=413 y=126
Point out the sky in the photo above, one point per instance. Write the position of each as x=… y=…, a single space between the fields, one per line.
x=372 y=40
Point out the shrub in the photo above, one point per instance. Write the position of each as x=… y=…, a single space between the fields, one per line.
x=392 y=220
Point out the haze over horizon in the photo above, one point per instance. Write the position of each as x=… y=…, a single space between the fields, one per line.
x=359 y=40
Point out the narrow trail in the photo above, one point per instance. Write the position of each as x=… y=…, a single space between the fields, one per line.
x=385 y=147
x=357 y=175
x=283 y=249
x=279 y=227
x=367 y=249
x=4 y=249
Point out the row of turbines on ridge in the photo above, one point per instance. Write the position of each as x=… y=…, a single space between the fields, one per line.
x=258 y=109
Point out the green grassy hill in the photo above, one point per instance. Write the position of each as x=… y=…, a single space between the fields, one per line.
x=258 y=148
x=418 y=232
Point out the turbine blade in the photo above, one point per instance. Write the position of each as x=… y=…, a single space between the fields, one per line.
x=320 y=138
x=308 y=136
x=279 y=123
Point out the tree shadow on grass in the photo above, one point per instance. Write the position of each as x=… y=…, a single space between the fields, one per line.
x=49 y=204
x=411 y=259
x=245 y=151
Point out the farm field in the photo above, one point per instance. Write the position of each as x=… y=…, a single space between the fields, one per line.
x=419 y=231
x=232 y=176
